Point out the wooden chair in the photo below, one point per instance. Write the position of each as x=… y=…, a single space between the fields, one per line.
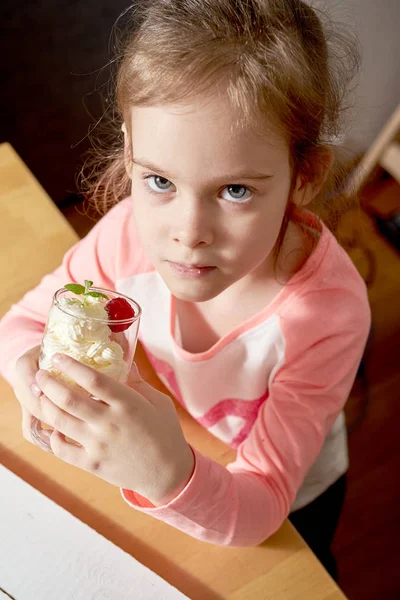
x=384 y=152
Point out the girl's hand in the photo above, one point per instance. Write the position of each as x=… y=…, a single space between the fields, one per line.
x=27 y=390
x=129 y=436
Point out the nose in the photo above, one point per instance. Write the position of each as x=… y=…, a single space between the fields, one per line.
x=193 y=223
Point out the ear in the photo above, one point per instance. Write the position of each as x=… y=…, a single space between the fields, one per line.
x=305 y=190
x=127 y=151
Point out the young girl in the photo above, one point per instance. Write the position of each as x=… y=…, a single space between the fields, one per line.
x=253 y=316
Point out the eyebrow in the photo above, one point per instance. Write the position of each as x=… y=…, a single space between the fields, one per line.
x=254 y=175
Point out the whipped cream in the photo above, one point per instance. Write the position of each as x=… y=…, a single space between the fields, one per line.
x=83 y=338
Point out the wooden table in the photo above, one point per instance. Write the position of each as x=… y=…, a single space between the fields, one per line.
x=34 y=237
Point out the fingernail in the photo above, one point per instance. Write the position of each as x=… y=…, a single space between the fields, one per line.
x=134 y=374
x=57 y=360
x=36 y=389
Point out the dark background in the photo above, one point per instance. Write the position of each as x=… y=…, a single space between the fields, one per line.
x=53 y=54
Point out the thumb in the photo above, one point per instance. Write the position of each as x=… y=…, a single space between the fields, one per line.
x=26 y=424
x=134 y=376
x=27 y=366
x=26 y=389
x=154 y=396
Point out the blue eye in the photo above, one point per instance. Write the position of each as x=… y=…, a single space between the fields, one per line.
x=159 y=184
x=236 y=193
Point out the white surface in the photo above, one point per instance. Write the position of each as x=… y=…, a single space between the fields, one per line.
x=48 y=554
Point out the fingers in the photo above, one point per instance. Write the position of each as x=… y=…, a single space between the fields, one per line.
x=69 y=453
x=61 y=421
x=26 y=388
x=134 y=376
x=97 y=384
x=154 y=396
x=27 y=365
x=74 y=455
x=26 y=424
x=71 y=401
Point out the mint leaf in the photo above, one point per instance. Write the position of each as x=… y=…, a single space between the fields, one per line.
x=88 y=284
x=78 y=289
x=75 y=288
x=97 y=295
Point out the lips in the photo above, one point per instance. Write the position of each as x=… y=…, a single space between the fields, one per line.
x=194 y=266
x=191 y=270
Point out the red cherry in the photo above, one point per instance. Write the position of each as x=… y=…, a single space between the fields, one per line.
x=119 y=309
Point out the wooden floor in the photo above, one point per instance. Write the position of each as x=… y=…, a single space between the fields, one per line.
x=366 y=544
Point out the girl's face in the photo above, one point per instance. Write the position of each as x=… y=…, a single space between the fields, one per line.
x=208 y=198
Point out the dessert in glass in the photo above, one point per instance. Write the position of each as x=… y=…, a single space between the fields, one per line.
x=97 y=327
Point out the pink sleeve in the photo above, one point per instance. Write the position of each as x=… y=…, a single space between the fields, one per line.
x=95 y=257
x=245 y=503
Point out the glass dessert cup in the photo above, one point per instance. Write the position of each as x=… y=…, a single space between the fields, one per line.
x=84 y=330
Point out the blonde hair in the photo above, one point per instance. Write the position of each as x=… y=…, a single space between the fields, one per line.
x=273 y=57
